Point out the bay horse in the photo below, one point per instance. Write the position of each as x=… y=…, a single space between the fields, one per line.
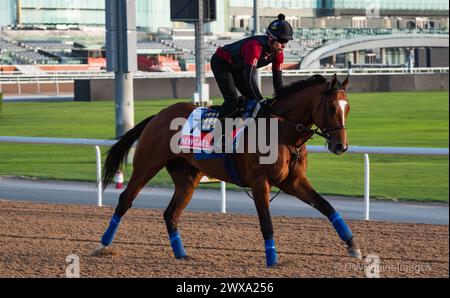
x=314 y=101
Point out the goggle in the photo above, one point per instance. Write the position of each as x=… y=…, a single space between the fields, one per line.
x=282 y=40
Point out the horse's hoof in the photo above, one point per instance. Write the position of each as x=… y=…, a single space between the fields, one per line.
x=273 y=261
x=354 y=252
x=101 y=250
x=181 y=256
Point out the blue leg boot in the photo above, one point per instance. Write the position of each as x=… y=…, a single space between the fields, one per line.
x=271 y=253
x=177 y=245
x=345 y=234
x=108 y=237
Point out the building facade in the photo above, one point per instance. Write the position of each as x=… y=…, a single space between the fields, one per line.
x=236 y=15
x=399 y=14
x=317 y=22
x=68 y=14
x=7 y=9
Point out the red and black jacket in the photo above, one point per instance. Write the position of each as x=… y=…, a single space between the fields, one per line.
x=250 y=53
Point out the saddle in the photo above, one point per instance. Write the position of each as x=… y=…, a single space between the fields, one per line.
x=197 y=132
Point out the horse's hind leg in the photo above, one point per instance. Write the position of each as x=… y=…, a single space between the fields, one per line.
x=302 y=189
x=186 y=179
x=139 y=178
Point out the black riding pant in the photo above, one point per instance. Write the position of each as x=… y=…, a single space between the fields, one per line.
x=228 y=80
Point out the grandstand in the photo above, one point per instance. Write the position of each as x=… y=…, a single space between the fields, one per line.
x=30 y=35
x=305 y=40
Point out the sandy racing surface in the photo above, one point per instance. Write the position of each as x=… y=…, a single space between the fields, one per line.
x=36 y=238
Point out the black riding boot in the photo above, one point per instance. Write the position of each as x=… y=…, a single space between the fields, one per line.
x=228 y=109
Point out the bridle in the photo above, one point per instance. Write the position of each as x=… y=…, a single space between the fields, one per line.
x=325 y=133
x=305 y=130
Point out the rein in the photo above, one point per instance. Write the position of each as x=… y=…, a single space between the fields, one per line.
x=300 y=128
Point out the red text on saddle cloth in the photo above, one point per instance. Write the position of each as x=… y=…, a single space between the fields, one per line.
x=191 y=135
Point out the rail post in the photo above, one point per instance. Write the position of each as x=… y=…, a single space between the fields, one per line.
x=99 y=175
x=224 y=196
x=19 y=90
x=366 y=186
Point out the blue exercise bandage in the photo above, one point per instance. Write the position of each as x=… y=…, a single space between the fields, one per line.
x=177 y=245
x=111 y=231
x=271 y=253
x=341 y=227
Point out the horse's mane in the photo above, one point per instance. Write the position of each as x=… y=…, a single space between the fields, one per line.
x=297 y=86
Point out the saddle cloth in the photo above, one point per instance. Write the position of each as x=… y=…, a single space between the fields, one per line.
x=197 y=132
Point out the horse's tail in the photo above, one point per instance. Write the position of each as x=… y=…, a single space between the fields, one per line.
x=118 y=152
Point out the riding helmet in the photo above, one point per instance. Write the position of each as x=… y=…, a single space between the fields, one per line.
x=280 y=28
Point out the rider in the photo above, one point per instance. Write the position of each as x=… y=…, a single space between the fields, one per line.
x=234 y=64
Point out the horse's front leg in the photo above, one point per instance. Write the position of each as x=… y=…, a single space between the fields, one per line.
x=302 y=189
x=260 y=190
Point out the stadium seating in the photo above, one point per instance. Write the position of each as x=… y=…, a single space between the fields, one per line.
x=39 y=52
x=305 y=40
x=8 y=46
x=33 y=57
x=47 y=45
x=154 y=45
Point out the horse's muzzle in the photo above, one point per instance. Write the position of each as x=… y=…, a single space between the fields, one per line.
x=337 y=149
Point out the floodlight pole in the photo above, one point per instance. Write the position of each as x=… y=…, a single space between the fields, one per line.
x=255 y=17
x=202 y=90
x=255 y=31
x=19 y=13
x=124 y=76
x=121 y=55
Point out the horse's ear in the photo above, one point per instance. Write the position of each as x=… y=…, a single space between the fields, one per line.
x=333 y=81
x=345 y=83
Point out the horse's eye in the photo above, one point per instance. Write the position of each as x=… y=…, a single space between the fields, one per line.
x=332 y=109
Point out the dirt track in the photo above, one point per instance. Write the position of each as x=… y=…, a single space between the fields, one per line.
x=36 y=238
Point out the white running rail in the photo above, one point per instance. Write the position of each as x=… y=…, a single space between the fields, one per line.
x=17 y=76
x=313 y=149
x=18 y=79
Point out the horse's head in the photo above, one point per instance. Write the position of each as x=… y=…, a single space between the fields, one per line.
x=315 y=101
x=331 y=114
